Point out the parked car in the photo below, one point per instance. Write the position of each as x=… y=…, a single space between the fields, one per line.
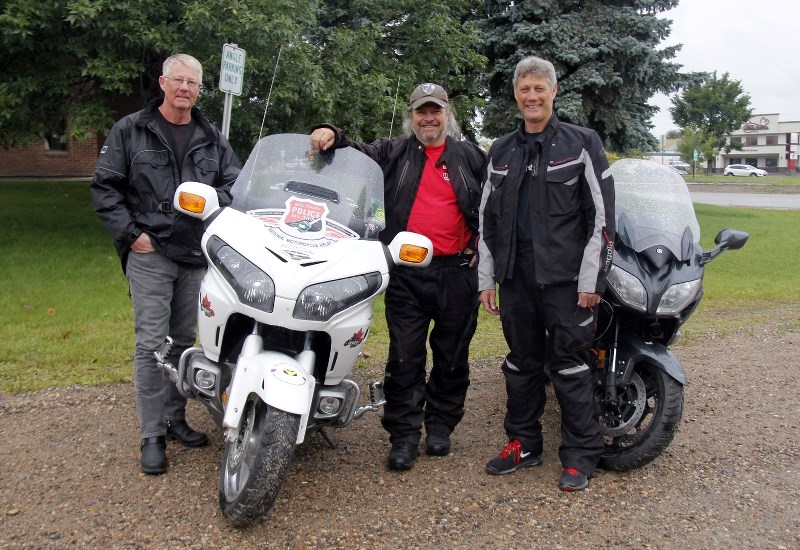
x=680 y=171
x=682 y=167
x=743 y=170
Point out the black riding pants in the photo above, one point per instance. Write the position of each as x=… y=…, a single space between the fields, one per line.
x=444 y=293
x=543 y=323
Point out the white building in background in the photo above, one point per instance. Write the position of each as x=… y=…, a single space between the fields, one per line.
x=766 y=142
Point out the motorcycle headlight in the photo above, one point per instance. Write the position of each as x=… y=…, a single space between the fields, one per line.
x=253 y=287
x=678 y=296
x=629 y=289
x=322 y=301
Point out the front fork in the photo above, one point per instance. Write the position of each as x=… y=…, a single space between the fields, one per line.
x=612 y=371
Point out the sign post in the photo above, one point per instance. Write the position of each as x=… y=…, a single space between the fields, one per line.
x=231 y=77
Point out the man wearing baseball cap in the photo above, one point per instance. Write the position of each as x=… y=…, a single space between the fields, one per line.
x=432 y=186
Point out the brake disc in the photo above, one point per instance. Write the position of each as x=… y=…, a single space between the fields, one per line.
x=629 y=412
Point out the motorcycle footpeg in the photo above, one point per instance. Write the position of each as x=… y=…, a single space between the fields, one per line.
x=376 y=394
x=162 y=352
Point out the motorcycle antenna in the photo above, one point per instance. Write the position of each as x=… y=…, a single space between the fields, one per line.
x=394 y=109
x=269 y=94
x=266 y=107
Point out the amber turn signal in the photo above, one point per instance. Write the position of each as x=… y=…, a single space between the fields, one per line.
x=191 y=202
x=412 y=253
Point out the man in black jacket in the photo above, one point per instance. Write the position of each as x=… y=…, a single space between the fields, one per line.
x=145 y=157
x=547 y=227
x=432 y=187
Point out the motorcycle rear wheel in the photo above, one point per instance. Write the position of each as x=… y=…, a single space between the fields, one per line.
x=254 y=466
x=644 y=423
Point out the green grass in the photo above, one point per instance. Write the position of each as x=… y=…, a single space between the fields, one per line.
x=67 y=318
x=66 y=315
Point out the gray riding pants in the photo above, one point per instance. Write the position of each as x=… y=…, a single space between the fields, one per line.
x=165 y=298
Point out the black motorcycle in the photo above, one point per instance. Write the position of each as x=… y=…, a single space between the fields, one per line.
x=654 y=286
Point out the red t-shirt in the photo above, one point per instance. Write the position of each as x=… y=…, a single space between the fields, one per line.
x=435 y=212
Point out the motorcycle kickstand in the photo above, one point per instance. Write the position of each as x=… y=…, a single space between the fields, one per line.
x=328 y=439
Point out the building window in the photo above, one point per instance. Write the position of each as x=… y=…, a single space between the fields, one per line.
x=771 y=162
x=772 y=140
x=750 y=140
x=752 y=161
x=55 y=139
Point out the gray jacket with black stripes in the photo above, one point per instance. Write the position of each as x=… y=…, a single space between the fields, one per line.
x=572 y=207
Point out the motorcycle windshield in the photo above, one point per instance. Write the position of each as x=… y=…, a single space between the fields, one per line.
x=310 y=195
x=653 y=208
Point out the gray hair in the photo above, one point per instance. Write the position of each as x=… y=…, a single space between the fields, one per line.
x=535 y=66
x=452 y=128
x=184 y=59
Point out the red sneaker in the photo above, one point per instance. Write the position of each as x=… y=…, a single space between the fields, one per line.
x=511 y=458
x=573 y=480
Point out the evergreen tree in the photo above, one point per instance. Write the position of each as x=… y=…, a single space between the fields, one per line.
x=606 y=56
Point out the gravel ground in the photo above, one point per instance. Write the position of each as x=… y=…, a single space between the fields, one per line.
x=69 y=474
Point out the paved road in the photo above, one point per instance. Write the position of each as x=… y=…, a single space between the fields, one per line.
x=777 y=201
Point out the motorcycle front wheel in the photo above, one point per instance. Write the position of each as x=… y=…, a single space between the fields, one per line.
x=254 y=465
x=644 y=422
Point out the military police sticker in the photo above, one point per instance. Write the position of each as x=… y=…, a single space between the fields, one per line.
x=304 y=218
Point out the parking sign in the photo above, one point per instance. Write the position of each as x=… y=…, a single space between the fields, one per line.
x=231 y=73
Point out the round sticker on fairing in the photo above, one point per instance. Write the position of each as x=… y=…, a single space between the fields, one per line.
x=308 y=232
x=288 y=374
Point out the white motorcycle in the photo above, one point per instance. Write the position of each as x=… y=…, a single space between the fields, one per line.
x=285 y=307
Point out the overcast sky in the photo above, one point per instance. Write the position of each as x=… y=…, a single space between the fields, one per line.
x=756 y=41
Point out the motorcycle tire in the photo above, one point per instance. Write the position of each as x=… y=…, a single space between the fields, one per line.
x=254 y=466
x=650 y=410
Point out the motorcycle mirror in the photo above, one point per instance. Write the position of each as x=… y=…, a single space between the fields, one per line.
x=411 y=249
x=731 y=239
x=727 y=239
x=196 y=199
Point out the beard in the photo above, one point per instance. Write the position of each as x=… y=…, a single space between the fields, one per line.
x=430 y=135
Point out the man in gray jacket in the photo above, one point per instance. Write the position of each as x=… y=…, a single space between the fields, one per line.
x=146 y=156
x=547 y=233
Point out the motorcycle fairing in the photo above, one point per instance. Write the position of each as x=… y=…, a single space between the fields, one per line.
x=659 y=276
x=336 y=259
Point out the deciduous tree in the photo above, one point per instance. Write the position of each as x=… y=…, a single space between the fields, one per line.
x=714 y=108
x=92 y=61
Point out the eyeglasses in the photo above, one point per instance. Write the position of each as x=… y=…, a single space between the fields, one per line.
x=178 y=81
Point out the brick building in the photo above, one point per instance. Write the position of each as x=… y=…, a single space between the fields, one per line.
x=50 y=158
x=73 y=159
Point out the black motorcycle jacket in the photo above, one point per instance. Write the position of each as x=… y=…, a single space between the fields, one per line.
x=402 y=160
x=137 y=175
x=571 y=201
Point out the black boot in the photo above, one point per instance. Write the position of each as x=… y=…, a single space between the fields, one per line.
x=180 y=430
x=402 y=455
x=437 y=444
x=154 y=455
